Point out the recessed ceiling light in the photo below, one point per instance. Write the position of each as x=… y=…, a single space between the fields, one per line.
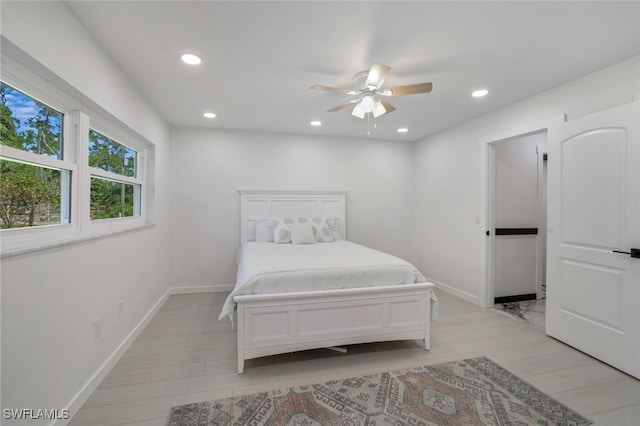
x=209 y=115
x=403 y=130
x=479 y=93
x=316 y=123
x=191 y=59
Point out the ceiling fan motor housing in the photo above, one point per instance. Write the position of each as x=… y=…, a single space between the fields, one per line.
x=360 y=80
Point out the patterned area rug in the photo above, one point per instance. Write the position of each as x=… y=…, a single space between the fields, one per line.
x=474 y=391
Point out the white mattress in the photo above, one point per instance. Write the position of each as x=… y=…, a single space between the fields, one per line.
x=282 y=268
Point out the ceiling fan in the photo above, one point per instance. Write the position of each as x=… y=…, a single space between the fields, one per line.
x=370 y=93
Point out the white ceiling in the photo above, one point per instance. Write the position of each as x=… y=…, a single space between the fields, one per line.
x=260 y=58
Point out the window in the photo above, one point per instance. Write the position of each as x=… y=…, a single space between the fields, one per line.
x=114 y=194
x=67 y=171
x=111 y=156
x=34 y=179
x=30 y=125
x=31 y=195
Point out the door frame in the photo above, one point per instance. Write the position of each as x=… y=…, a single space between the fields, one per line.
x=541 y=246
x=487 y=195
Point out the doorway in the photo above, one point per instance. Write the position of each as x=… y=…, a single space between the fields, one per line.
x=519 y=217
x=516 y=224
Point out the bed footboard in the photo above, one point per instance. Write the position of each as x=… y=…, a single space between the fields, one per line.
x=270 y=324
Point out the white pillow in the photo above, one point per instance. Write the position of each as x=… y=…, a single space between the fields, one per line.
x=321 y=230
x=264 y=231
x=281 y=230
x=334 y=226
x=302 y=233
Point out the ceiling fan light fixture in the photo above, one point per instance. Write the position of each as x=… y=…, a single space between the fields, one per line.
x=358 y=111
x=378 y=109
x=367 y=103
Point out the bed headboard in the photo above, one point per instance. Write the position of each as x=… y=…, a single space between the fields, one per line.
x=257 y=205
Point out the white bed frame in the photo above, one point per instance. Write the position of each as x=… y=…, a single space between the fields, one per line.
x=276 y=323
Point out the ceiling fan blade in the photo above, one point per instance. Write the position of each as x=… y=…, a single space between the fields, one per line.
x=377 y=74
x=387 y=106
x=410 y=89
x=342 y=105
x=332 y=89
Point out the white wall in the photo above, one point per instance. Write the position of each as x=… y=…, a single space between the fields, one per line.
x=50 y=298
x=516 y=164
x=209 y=167
x=449 y=174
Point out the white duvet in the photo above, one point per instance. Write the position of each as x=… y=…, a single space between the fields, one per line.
x=282 y=268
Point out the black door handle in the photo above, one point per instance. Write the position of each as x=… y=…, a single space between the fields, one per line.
x=633 y=253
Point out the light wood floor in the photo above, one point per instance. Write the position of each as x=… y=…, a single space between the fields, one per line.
x=184 y=355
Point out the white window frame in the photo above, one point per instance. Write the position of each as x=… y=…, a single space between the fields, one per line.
x=78 y=118
x=123 y=138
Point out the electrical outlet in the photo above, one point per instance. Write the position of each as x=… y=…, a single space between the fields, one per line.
x=120 y=308
x=97 y=327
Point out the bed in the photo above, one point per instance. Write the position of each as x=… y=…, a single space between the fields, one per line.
x=302 y=294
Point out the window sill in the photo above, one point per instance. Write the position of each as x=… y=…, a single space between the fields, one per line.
x=67 y=242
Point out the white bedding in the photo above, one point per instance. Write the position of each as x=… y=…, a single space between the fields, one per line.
x=280 y=268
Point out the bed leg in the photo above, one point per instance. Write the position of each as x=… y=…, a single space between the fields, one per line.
x=240 y=317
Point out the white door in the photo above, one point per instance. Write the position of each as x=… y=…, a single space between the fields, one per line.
x=593 y=293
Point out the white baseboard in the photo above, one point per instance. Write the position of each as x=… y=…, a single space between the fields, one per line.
x=226 y=288
x=456 y=292
x=92 y=384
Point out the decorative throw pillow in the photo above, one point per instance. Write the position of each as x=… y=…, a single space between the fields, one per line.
x=334 y=226
x=281 y=230
x=264 y=231
x=321 y=230
x=302 y=233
